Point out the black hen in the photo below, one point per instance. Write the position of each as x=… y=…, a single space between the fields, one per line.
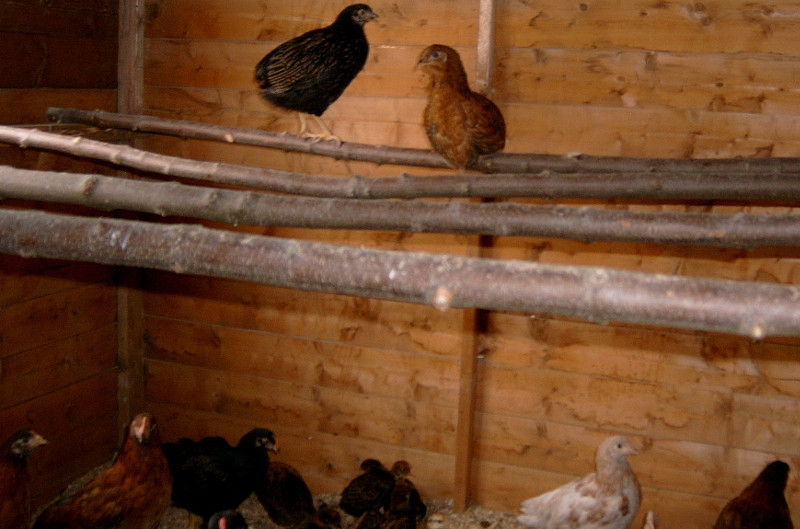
x=309 y=72
x=210 y=476
x=14 y=479
x=761 y=504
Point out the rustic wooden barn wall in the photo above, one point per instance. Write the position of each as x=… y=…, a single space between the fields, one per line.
x=58 y=333
x=340 y=379
x=56 y=53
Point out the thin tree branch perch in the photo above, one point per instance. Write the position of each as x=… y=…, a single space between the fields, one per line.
x=602 y=295
x=496 y=163
x=507 y=219
x=777 y=186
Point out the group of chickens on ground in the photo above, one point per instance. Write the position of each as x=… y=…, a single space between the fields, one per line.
x=309 y=72
x=211 y=479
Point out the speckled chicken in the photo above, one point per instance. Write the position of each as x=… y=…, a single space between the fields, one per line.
x=309 y=72
x=227 y=520
x=369 y=491
x=212 y=476
x=15 y=480
x=405 y=497
x=132 y=493
x=285 y=495
x=761 y=504
x=460 y=124
x=605 y=499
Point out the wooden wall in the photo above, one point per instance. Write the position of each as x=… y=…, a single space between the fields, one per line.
x=58 y=333
x=340 y=379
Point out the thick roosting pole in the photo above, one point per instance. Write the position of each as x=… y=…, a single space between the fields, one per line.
x=250 y=208
x=656 y=186
x=497 y=163
x=596 y=294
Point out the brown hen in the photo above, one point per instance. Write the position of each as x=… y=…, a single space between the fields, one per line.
x=461 y=124
x=132 y=493
x=761 y=504
x=14 y=479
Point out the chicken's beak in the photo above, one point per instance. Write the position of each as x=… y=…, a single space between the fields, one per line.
x=274 y=448
x=37 y=440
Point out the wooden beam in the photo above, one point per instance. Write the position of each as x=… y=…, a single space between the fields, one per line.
x=484 y=64
x=130 y=61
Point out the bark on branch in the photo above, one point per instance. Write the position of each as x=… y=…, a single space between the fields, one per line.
x=250 y=208
x=595 y=294
x=497 y=163
x=769 y=186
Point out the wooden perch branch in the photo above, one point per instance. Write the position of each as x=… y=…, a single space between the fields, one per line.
x=650 y=186
x=497 y=163
x=596 y=294
x=250 y=208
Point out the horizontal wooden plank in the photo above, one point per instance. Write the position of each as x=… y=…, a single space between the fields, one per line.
x=409 y=22
x=90 y=18
x=730 y=26
x=343 y=319
x=413 y=424
x=57 y=62
x=42 y=370
x=24 y=279
x=56 y=317
x=29 y=106
x=414 y=377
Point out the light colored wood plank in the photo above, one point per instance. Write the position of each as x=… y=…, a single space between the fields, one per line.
x=324 y=317
x=384 y=372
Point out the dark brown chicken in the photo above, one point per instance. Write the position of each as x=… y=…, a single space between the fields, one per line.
x=285 y=495
x=131 y=494
x=324 y=518
x=761 y=504
x=14 y=479
x=369 y=491
x=460 y=124
x=405 y=498
x=309 y=72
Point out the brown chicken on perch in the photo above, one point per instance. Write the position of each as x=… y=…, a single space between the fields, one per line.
x=605 y=499
x=132 y=493
x=309 y=72
x=761 y=504
x=460 y=124
x=15 y=480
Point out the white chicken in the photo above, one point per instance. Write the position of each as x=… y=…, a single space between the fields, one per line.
x=605 y=499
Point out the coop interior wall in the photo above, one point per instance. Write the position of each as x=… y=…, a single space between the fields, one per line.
x=341 y=378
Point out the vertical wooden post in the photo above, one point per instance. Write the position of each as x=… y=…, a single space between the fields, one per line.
x=484 y=65
x=130 y=87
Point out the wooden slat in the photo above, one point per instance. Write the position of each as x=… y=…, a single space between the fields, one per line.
x=26 y=279
x=129 y=65
x=130 y=349
x=24 y=106
x=55 y=317
x=35 y=373
x=341 y=319
x=94 y=18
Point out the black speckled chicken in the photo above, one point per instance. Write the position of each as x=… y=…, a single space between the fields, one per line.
x=211 y=476
x=761 y=504
x=608 y=498
x=460 y=124
x=15 y=480
x=132 y=493
x=309 y=72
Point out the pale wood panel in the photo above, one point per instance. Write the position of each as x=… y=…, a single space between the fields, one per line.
x=399 y=422
x=30 y=106
x=428 y=378
x=730 y=26
x=33 y=373
x=418 y=23
x=350 y=320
